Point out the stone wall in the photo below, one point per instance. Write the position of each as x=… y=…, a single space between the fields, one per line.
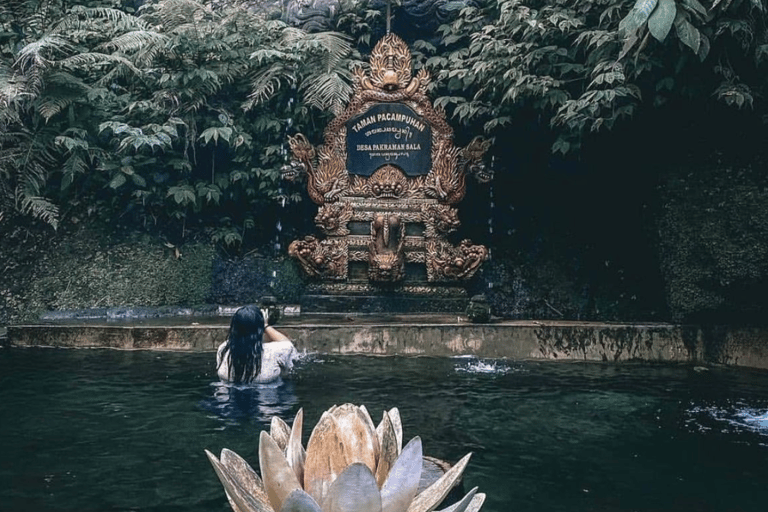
x=520 y=340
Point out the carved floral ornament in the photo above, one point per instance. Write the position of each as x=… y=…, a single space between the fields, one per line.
x=349 y=465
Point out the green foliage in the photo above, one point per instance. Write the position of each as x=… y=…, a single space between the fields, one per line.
x=586 y=65
x=176 y=114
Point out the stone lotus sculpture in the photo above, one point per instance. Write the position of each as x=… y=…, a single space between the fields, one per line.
x=348 y=466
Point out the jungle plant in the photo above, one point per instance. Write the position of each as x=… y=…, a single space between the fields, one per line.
x=585 y=65
x=177 y=113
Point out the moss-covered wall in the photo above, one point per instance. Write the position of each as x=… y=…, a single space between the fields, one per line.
x=96 y=266
x=89 y=267
x=713 y=243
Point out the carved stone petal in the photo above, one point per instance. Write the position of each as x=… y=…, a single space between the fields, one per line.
x=239 y=499
x=477 y=502
x=294 y=451
x=280 y=432
x=325 y=458
x=357 y=434
x=367 y=418
x=402 y=483
x=244 y=474
x=279 y=478
x=463 y=504
x=389 y=449
x=354 y=491
x=299 y=501
x=394 y=417
x=435 y=493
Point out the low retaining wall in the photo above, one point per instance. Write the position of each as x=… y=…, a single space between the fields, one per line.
x=513 y=339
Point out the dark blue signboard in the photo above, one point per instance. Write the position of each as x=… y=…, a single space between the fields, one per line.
x=389 y=133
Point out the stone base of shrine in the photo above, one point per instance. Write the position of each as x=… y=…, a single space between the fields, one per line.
x=367 y=298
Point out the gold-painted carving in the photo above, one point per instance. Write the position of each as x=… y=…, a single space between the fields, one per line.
x=386 y=261
x=330 y=180
x=446 y=181
x=448 y=263
x=439 y=219
x=325 y=259
x=332 y=218
x=390 y=198
x=472 y=159
x=388 y=182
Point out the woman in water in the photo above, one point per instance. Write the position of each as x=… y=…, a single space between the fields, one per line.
x=254 y=351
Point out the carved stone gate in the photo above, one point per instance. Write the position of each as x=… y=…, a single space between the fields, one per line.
x=387 y=178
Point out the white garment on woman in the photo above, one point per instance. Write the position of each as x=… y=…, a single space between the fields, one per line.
x=276 y=361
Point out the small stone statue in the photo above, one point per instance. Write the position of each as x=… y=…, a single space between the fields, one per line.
x=479 y=310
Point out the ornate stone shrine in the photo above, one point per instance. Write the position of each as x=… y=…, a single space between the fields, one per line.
x=386 y=179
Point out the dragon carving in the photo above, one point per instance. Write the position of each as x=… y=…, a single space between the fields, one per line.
x=471 y=159
x=446 y=181
x=326 y=181
x=439 y=219
x=302 y=158
x=386 y=259
x=330 y=180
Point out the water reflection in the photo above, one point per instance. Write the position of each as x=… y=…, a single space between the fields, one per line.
x=253 y=402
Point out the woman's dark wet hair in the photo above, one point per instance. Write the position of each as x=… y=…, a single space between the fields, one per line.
x=244 y=344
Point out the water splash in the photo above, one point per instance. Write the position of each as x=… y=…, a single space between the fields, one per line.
x=484 y=366
x=735 y=418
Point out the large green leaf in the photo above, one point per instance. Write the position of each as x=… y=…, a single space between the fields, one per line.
x=637 y=16
x=687 y=33
x=661 y=19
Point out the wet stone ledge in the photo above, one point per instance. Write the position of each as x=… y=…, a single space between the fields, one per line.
x=432 y=335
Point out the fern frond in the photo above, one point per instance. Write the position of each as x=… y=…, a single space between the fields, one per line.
x=336 y=45
x=144 y=44
x=73 y=166
x=96 y=59
x=97 y=20
x=267 y=81
x=63 y=90
x=121 y=19
x=40 y=208
x=10 y=90
x=173 y=14
x=327 y=91
x=41 y=53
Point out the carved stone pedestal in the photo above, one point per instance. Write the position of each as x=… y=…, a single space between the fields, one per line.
x=362 y=298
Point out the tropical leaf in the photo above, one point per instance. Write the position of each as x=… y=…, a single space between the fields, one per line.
x=216 y=132
x=687 y=33
x=327 y=91
x=637 y=16
x=182 y=195
x=96 y=59
x=662 y=18
x=145 y=45
x=41 y=208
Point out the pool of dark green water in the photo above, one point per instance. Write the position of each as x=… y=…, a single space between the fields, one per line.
x=105 y=430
